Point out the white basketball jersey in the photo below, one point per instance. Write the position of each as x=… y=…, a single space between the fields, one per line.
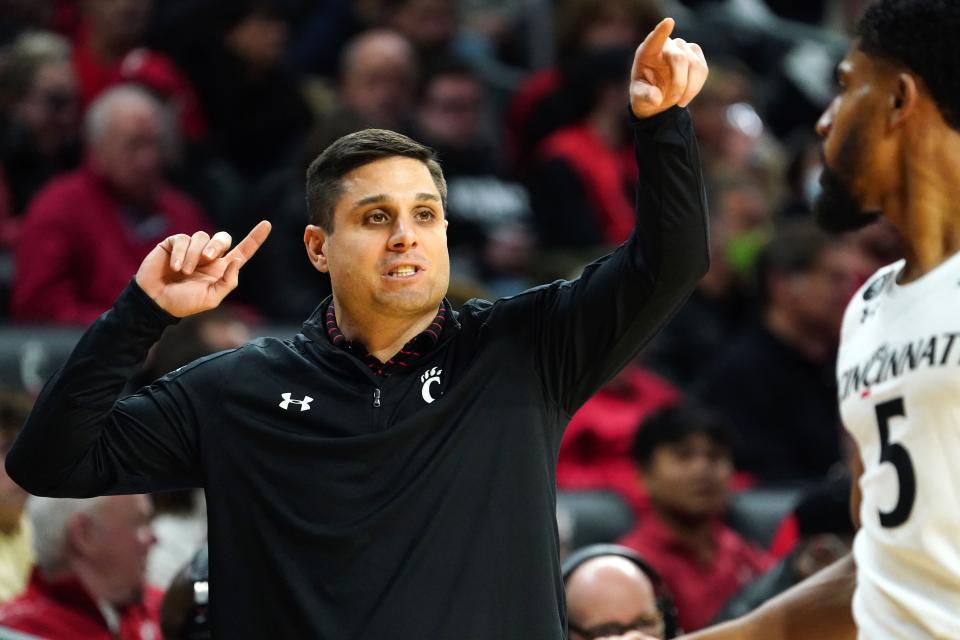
x=898 y=372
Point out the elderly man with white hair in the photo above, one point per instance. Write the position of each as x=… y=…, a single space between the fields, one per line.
x=86 y=231
x=88 y=583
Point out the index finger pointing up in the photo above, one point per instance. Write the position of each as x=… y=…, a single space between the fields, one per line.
x=249 y=245
x=653 y=44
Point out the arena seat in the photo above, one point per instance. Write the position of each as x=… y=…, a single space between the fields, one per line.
x=596 y=516
x=756 y=513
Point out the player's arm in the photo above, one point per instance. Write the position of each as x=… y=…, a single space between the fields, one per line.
x=80 y=440
x=818 y=607
x=587 y=329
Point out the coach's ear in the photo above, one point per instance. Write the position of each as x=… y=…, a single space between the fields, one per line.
x=315 y=240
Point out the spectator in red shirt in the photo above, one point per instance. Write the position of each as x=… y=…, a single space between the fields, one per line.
x=582 y=178
x=685 y=459
x=110 y=50
x=85 y=232
x=89 y=580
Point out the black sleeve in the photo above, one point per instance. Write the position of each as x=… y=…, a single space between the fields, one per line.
x=81 y=440
x=584 y=331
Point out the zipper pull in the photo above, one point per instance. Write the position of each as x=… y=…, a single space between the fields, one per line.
x=376 y=398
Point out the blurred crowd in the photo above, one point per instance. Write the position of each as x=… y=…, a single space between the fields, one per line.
x=125 y=121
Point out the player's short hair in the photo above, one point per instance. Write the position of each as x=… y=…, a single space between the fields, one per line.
x=674 y=424
x=325 y=174
x=921 y=35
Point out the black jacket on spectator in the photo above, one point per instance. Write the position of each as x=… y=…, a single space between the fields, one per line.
x=346 y=505
x=782 y=406
x=256 y=120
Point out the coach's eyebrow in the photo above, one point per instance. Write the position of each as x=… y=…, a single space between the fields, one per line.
x=377 y=198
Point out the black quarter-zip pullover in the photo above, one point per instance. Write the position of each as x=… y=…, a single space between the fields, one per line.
x=347 y=506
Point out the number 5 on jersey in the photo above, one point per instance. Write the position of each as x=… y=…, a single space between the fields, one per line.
x=897 y=455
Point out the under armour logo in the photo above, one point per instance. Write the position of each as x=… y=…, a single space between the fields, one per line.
x=287 y=401
x=428 y=378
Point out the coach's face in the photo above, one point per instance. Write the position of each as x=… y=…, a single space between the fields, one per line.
x=387 y=253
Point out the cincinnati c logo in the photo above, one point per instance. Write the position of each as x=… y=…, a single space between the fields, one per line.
x=429 y=377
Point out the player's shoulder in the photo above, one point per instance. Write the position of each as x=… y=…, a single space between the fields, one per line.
x=872 y=289
x=879 y=283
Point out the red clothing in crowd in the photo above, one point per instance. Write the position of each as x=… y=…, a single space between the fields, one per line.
x=141 y=66
x=606 y=175
x=64 y=609
x=523 y=109
x=699 y=589
x=595 y=451
x=77 y=249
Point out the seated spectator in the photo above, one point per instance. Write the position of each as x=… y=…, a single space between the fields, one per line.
x=721 y=305
x=611 y=591
x=252 y=101
x=489 y=214
x=39 y=123
x=595 y=450
x=88 y=583
x=685 y=459
x=775 y=384
x=430 y=25
x=378 y=79
x=87 y=231
x=16 y=533
x=540 y=106
x=110 y=50
x=184 y=615
x=583 y=177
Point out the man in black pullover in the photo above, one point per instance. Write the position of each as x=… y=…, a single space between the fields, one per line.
x=389 y=472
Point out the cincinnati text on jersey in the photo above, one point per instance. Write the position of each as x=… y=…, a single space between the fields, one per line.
x=890 y=361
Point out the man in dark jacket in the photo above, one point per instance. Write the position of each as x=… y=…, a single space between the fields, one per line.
x=389 y=472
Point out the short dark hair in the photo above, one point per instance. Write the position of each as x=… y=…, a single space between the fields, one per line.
x=675 y=423
x=921 y=35
x=795 y=248
x=325 y=174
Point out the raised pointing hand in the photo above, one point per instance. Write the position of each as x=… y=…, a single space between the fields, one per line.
x=185 y=274
x=666 y=71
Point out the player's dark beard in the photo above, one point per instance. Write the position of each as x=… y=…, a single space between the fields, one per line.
x=836 y=209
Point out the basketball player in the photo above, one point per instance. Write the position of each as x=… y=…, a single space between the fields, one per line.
x=891 y=146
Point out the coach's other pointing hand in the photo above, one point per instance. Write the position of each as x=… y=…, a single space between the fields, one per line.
x=666 y=71
x=189 y=274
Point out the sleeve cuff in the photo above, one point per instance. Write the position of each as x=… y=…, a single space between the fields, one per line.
x=655 y=121
x=134 y=300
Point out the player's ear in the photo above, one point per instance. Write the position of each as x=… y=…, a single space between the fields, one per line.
x=315 y=241
x=903 y=99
